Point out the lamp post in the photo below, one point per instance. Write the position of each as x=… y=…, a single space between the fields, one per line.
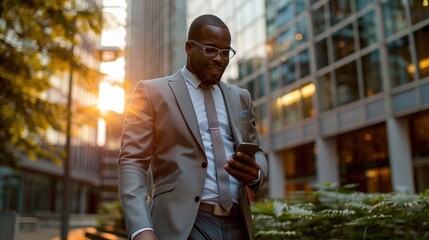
x=66 y=164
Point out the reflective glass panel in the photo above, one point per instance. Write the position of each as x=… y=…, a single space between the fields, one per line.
x=261 y=86
x=304 y=63
x=275 y=78
x=288 y=107
x=347 y=83
x=364 y=159
x=421 y=38
x=299 y=162
x=307 y=93
x=322 y=57
x=301 y=32
x=420 y=134
x=394 y=16
x=285 y=41
x=339 y=10
x=319 y=20
x=371 y=73
x=299 y=6
x=343 y=42
x=284 y=12
x=251 y=88
x=401 y=68
x=271 y=20
x=361 y=4
x=419 y=12
x=288 y=71
x=367 y=30
x=241 y=69
x=261 y=116
x=325 y=92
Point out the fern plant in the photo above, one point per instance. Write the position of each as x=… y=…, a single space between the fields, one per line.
x=342 y=213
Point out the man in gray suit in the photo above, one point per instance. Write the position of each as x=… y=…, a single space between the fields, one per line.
x=166 y=131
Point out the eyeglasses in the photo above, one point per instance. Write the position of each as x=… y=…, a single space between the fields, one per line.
x=209 y=51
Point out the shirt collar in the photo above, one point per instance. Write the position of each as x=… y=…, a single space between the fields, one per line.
x=190 y=77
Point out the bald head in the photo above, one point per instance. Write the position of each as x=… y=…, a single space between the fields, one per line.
x=203 y=20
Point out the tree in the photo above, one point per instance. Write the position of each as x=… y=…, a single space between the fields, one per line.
x=37 y=39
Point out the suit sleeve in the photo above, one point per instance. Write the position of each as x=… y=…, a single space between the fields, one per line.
x=134 y=160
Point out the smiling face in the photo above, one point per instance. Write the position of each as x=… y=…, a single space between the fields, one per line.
x=208 y=69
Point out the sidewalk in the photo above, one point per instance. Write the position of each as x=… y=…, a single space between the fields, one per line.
x=53 y=234
x=48 y=227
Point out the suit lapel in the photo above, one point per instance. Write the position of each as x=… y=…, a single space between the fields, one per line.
x=231 y=99
x=180 y=91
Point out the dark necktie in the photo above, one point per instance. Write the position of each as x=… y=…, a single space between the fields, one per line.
x=218 y=149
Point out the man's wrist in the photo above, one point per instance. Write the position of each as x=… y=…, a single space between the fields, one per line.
x=134 y=234
x=256 y=180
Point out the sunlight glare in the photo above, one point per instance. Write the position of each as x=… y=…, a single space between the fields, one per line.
x=111 y=98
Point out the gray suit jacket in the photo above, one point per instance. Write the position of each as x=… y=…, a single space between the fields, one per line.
x=161 y=133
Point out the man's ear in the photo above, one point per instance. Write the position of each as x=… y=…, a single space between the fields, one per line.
x=188 y=48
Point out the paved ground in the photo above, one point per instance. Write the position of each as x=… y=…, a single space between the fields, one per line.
x=52 y=234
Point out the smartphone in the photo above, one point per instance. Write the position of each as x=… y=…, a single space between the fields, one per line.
x=248 y=148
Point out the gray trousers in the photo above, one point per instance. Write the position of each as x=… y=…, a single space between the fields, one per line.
x=210 y=227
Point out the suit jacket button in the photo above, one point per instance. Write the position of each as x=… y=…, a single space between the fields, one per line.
x=197 y=199
x=204 y=164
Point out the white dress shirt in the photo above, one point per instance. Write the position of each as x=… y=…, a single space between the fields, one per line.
x=211 y=193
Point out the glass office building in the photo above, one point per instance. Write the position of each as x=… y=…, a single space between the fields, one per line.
x=341 y=88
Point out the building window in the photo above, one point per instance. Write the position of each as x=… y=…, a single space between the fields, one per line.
x=339 y=10
x=419 y=134
x=422 y=50
x=284 y=12
x=299 y=167
x=275 y=78
x=363 y=159
x=261 y=113
x=288 y=74
x=419 y=12
x=401 y=67
x=319 y=20
x=301 y=35
x=367 y=30
x=343 y=42
x=347 y=83
x=287 y=108
x=307 y=93
x=371 y=73
x=304 y=63
x=361 y=4
x=325 y=93
x=256 y=87
x=394 y=16
x=322 y=57
x=260 y=82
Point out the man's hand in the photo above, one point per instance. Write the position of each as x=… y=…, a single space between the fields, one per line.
x=146 y=235
x=243 y=167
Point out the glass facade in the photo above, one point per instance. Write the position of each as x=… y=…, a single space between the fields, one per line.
x=352 y=52
x=329 y=79
x=364 y=159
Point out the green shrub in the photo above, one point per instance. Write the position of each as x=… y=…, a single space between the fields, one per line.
x=342 y=213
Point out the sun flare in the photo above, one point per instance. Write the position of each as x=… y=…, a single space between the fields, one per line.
x=111 y=98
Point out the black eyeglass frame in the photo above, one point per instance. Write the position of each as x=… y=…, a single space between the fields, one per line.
x=215 y=51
